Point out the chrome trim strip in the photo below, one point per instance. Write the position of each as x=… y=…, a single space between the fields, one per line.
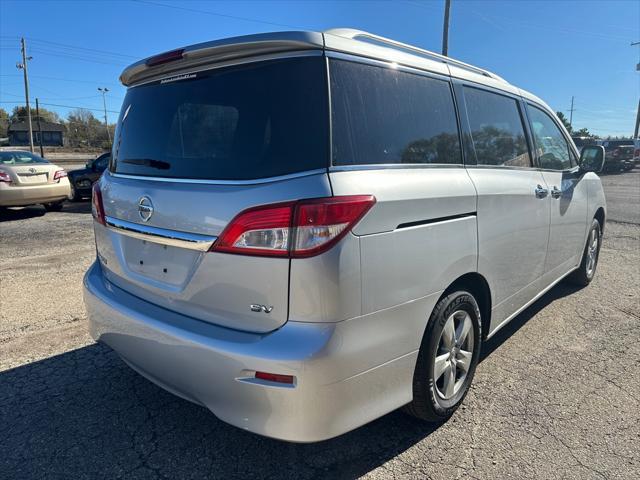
x=392 y=166
x=192 y=241
x=256 y=181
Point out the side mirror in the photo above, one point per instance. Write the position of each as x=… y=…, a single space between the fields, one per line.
x=592 y=158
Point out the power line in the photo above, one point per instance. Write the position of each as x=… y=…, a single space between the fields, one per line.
x=60 y=97
x=216 y=14
x=75 y=57
x=94 y=50
x=515 y=22
x=65 y=106
x=67 y=46
x=45 y=77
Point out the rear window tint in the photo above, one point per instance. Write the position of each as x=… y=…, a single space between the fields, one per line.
x=496 y=129
x=253 y=121
x=385 y=116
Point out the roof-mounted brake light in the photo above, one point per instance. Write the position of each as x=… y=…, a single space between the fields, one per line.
x=165 y=57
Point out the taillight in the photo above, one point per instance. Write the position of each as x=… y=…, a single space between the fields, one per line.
x=59 y=174
x=321 y=223
x=636 y=152
x=97 y=207
x=5 y=177
x=294 y=229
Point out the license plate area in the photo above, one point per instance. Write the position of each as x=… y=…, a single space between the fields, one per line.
x=160 y=263
x=34 y=178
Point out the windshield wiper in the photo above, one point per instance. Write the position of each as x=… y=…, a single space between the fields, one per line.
x=148 y=162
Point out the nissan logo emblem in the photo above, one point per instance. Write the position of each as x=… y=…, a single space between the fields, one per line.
x=145 y=208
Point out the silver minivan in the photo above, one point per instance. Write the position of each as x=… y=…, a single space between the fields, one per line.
x=304 y=231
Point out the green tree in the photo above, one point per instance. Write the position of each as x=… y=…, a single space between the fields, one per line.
x=19 y=114
x=85 y=130
x=564 y=121
x=583 y=132
x=4 y=122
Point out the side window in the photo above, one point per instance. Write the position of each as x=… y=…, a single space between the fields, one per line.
x=102 y=162
x=551 y=147
x=496 y=129
x=383 y=116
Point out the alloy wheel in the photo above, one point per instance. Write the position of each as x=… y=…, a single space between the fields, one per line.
x=592 y=252
x=453 y=355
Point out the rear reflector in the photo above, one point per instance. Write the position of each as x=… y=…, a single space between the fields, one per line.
x=59 y=174
x=275 y=377
x=293 y=229
x=165 y=57
x=97 y=207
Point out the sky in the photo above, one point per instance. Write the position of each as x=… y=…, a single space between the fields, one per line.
x=554 y=49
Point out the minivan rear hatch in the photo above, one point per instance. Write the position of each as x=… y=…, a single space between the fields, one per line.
x=190 y=153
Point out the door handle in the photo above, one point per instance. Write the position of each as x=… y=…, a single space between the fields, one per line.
x=555 y=193
x=541 y=192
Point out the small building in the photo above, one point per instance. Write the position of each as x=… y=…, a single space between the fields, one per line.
x=52 y=134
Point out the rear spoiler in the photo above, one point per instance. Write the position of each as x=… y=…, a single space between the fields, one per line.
x=219 y=51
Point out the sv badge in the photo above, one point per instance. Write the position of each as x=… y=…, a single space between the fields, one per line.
x=261 y=308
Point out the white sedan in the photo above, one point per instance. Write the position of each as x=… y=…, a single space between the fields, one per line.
x=27 y=179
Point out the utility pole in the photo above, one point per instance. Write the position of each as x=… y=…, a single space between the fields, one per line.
x=636 y=131
x=39 y=127
x=571 y=112
x=23 y=66
x=445 y=28
x=104 y=91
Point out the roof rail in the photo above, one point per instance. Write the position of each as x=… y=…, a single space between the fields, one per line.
x=354 y=34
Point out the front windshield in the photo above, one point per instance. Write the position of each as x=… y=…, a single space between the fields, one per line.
x=20 y=158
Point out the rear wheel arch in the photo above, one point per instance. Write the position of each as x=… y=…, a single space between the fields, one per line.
x=477 y=285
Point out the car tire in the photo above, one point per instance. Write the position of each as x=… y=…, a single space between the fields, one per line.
x=447 y=358
x=73 y=193
x=53 y=207
x=583 y=275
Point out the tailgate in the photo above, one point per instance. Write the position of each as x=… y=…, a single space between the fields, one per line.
x=164 y=260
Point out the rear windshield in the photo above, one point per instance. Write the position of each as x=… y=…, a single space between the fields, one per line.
x=246 y=122
x=20 y=158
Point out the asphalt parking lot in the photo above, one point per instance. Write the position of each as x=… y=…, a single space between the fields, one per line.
x=557 y=394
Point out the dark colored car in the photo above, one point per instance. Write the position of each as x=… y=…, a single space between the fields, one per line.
x=619 y=155
x=582 y=142
x=82 y=180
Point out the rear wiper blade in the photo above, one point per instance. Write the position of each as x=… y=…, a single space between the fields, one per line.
x=148 y=162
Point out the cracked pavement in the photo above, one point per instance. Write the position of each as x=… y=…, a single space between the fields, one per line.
x=557 y=394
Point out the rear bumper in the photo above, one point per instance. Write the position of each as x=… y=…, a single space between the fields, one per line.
x=342 y=377
x=14 y=196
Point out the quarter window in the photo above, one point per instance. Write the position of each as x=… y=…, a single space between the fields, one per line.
x=385 y=116
x=551 y=147
x=496 y=129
